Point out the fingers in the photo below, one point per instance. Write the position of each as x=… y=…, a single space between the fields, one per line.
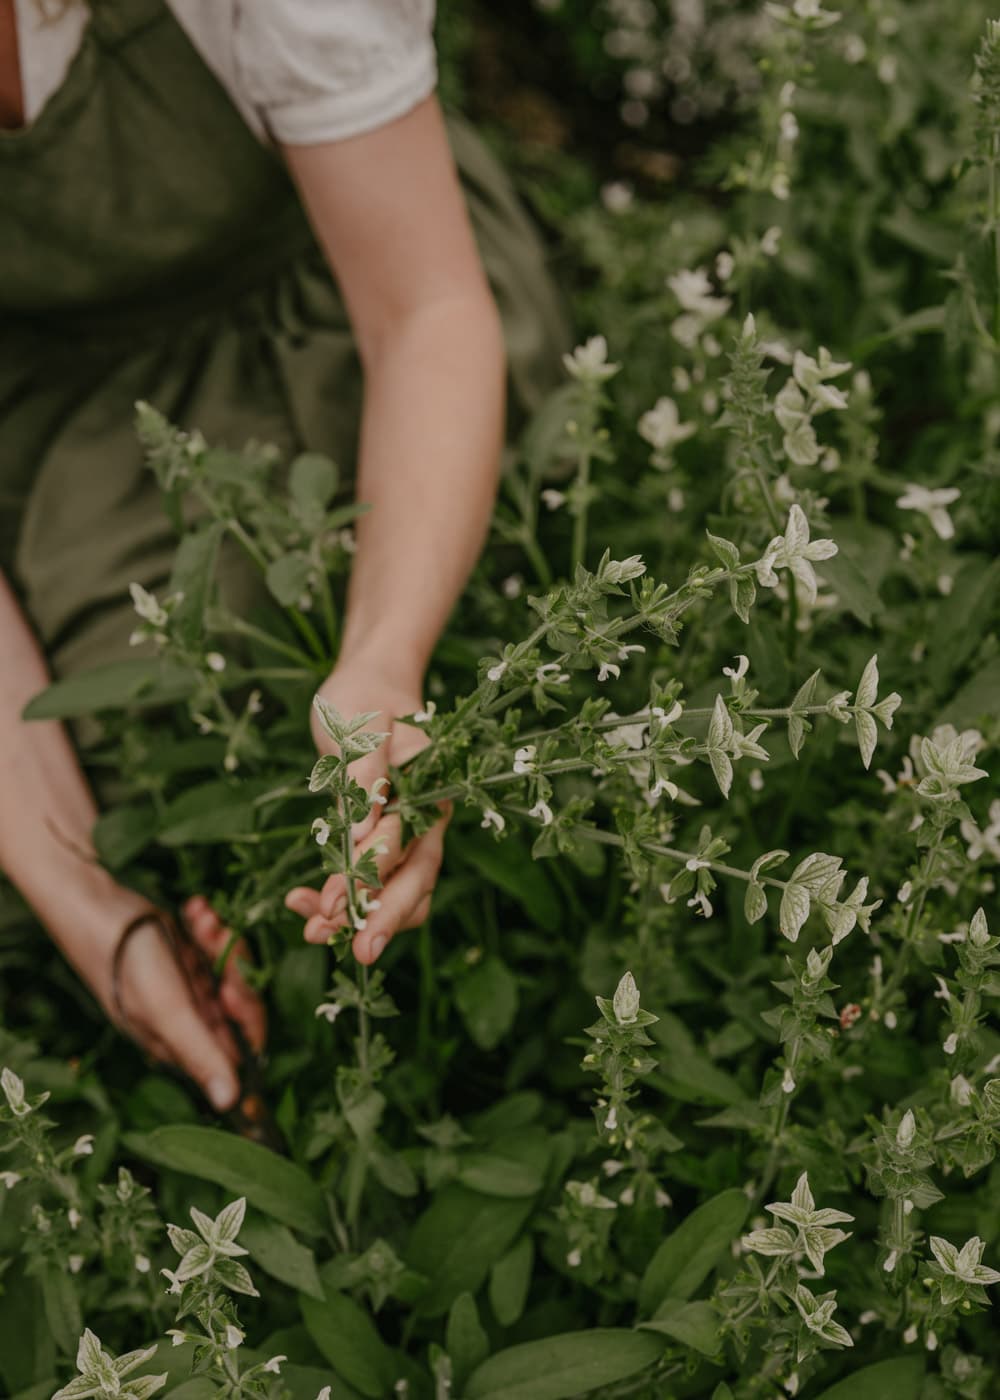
x=389 y=832
x=236 y=998
x=406 y=899
x=160 y=1007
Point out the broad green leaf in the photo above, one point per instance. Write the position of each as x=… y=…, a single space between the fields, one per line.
x=972 y=596
x=694 y=1324
x=135 y=683
x=394 y=1171
x=854 y=590
x=288 y=578
x=465 y=1341
x=27 y=1347
x=193 y=576
x=568 y=1365
x=508 y=865
x=724 y=550
x=120 y=834
x=510 y=1279
x=498 y=1176
x=901 y=1377
x=742 y=596
x=214 y=812
x=507 y=1116
x=273 y=1184
x=686 y=1258
x=62 y=1307
x=976 y=702
x=349 y=1340
x=487 y=1001
x=276 y=1250
x=312 y=481
x=458 y=1238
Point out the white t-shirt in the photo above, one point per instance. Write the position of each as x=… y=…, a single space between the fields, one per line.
x=300 y=71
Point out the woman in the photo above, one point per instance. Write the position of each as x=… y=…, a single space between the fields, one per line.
x=254 y=216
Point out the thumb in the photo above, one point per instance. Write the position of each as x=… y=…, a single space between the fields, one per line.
x=196 y=1050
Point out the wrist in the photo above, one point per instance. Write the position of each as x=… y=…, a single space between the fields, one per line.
x=388 y=663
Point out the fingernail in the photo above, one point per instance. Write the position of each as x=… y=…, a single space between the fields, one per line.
x=221 y=1092
x=378 y=943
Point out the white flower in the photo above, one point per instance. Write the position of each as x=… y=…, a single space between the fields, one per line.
x=427 y=713
x=553 y=499
x=662 y=1199
x=787 y=1081
x=574 y=1258
x=725 y=265
x=694 y=291
x=606 y=669
x=933 y=504
x=890 y=1020
x=491 y=817
x=75 y=1262
x=961 y=1090
x=177 y=1337
x=910 y=1335
x=985 y=841
x=215 y=661
x=330 y=1010
x=740 y=670
x=321 y=831
x=274 y=1365
x=616 y=196
x=589 y=363
x=84 y=1145
x=756 y=780
x=951 y=1044
x=375 y=794
x=624 y=652
x=10 y=1180
x=495 y=672
x=906 y=1130
x=234 y=1337
x=176 y=1284
x=905 y=891
x=524 y=760
x=13 y=1089
x=542 y=812
x=142 y=1264
x=661 y=427
x=794 y=551
x=512 y=586
x=702 y=903
x=770 y=241
x=611 y=1122
x=890 y=1261
x=146 y=606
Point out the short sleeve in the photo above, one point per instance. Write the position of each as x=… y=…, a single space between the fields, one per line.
x=321 y=70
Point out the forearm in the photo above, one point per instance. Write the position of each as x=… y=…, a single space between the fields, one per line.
x=432 y=430
x=46 y=809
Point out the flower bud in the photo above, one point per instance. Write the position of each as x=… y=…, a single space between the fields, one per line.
x=907 y=1128
x=979 y=934
x=626 y=1001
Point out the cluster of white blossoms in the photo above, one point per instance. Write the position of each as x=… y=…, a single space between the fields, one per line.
x=805 y=395
x=700 y=306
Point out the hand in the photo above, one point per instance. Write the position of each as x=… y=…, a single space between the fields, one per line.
x=184 y=1020
x=408 y=874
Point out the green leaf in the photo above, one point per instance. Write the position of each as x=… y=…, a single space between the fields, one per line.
x=62 y=1307
x=694 y=1324
x=487 y=1002
x=852 y=587
x=347 y=1337
x=510 y=1279
x=276 y=1250
x=953 y=638
x=724 y=550
x=508 y=865
x=722 y=1392
x=794 y=910
x=120 y=834
x=458 y=1238
x=135 y=683
x=288 y=578
x=193 y=576
x=976 y=702
x=273 y=1184
x=214 y=812
x=570 y=1364
x=867 y=731
x=498 y=1176
x=686 y=1258
x=312 y=481
x=465 y=1341
x=754 y=902
x=394 y=1172
x=901 y=1377
x=742 y=595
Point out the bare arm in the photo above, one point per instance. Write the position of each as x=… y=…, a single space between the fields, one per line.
x=389 y=211
x=46 y=816
x=390 y=214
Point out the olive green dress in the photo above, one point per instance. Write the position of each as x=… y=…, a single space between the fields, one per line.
x=152 y=248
